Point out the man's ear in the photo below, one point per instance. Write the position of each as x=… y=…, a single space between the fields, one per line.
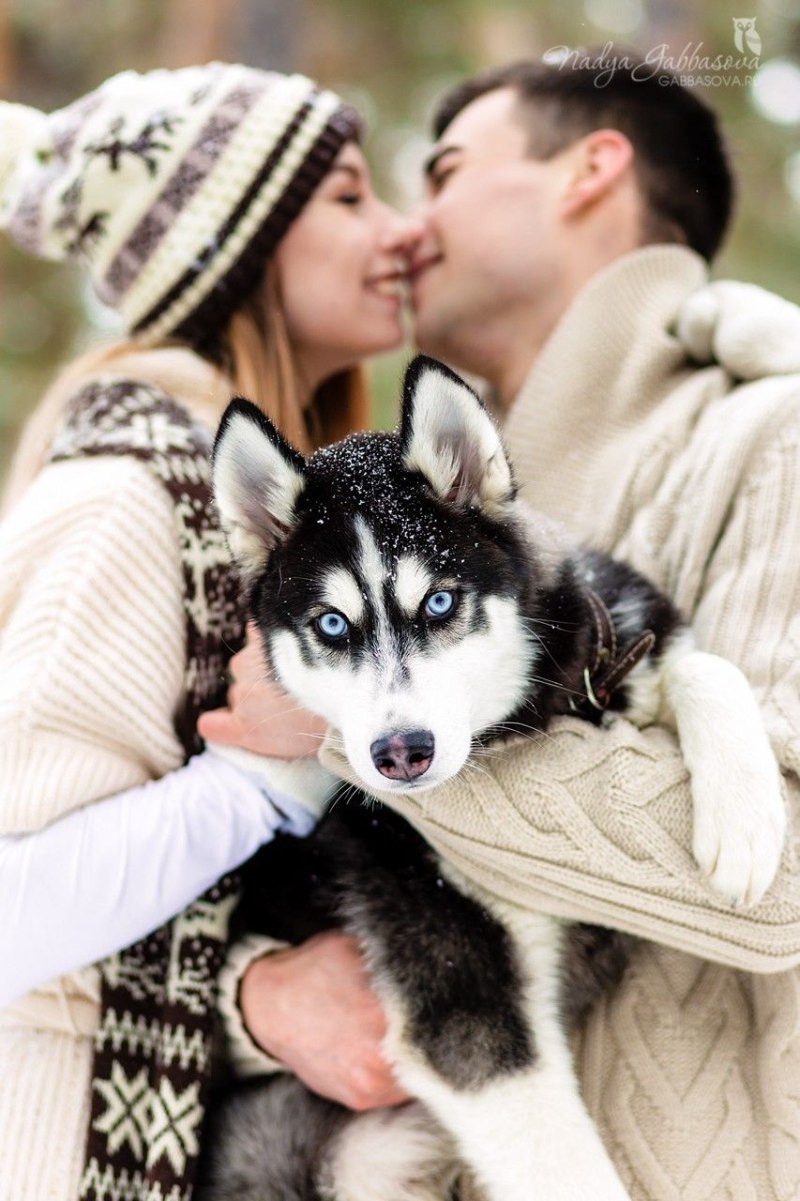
x=598 y=161
x=258 y=479
x=449 y=438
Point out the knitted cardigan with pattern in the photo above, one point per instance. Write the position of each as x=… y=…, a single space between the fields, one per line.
x=120 y=594
x=153 y=1045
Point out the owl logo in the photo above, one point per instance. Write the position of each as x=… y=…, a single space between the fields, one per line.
x=745 y=35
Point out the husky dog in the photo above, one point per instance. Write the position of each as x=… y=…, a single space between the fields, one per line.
x=404 y=593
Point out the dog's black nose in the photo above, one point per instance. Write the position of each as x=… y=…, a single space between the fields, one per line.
x=403 y=756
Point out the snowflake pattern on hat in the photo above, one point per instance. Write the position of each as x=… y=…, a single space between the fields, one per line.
x=172 y=188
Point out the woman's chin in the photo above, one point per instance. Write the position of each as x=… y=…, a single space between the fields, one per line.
x=389 y=338
x=374 y=339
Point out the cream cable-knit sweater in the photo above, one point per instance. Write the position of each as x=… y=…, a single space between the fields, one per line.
x=91 y=546
x=691 y=1068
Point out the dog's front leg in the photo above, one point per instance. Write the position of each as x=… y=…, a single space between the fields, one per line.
x=526 y=1136
x=500 y=1078
x=474 y=992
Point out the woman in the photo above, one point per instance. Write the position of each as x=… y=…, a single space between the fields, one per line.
x=226 y=214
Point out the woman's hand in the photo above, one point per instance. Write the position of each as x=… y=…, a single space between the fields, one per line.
x=260 y=717
x=311 y=1007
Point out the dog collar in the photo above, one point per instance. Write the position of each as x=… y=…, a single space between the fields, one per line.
x=608 y=666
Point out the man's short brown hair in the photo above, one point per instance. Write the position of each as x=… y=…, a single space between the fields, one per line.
x=679 y=155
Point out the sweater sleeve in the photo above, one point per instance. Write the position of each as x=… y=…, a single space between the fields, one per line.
x=104 y=876
x=92 y=641
x=244 y=1055
x=596 y=824
x=91 y=670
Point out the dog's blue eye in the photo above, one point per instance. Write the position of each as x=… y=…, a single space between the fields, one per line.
x=439 y=604
x=332 y=626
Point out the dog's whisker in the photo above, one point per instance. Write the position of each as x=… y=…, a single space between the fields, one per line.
x=343 y=795
x=534 y=736
x=547 y=650
x=471 y=768
x=560 y=626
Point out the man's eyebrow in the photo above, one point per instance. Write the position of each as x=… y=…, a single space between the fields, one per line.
x=433 y=161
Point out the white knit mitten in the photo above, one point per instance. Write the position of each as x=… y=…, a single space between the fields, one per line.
x=747 y=330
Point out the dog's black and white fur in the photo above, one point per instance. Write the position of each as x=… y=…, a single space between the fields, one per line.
x=404 y=593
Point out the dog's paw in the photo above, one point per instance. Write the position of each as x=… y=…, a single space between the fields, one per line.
x=739 y=811
x=739 y=838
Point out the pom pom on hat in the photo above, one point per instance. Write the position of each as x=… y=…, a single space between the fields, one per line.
x=172 y=187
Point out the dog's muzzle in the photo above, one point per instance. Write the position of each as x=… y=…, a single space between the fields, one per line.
x=405 y=755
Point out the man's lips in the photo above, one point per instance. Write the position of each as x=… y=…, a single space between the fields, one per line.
x=422 y=264
x=418 y=273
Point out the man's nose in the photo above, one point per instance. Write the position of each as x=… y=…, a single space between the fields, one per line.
x=404 y=233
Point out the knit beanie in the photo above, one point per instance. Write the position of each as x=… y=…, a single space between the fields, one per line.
x=172 y=187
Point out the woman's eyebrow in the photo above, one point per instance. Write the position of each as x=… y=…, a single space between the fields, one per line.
x=348 y=169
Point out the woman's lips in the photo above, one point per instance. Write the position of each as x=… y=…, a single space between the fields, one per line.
x=389 y=285
x=392 y=286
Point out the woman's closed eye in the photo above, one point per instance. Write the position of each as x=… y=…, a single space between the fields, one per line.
x=351 y=198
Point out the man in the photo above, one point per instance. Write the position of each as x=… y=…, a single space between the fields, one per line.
x=565 y=232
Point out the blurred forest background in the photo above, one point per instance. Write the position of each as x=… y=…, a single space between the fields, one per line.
x=391 y=58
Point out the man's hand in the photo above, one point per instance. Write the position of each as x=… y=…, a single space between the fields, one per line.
x=311 y=1007
x=260 y=717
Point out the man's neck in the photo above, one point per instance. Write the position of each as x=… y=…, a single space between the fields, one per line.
x=527 y=335
x=600 y=249
x=521 y=338
x=602 y=376
x=513 y=369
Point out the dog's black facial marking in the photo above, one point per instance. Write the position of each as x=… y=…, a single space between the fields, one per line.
x=361 y=483
x=556 y=617
x=563 y=616
x=478 y=619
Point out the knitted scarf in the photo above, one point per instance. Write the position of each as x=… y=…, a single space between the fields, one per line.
x=153 y=1045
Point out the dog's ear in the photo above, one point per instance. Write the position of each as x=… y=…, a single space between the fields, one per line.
x=258 y=479
x=447 y=435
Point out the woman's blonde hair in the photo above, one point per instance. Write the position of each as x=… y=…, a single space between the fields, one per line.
x=257 y=357
x=255 y=354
